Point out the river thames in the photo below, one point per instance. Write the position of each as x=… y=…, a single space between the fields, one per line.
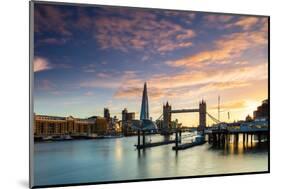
x=99 y=160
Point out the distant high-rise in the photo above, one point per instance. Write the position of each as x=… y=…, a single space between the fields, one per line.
x=127 y=118
x=124 y=114
x=144 y=104
x=106 y=114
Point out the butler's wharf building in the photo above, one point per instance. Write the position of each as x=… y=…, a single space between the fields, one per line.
x=53 y=126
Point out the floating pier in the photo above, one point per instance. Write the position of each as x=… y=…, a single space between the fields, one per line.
x=187 y=145
x=151 y=144
x=200 y=139
x=154 y=144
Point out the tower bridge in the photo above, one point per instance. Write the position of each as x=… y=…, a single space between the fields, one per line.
x=167 y=115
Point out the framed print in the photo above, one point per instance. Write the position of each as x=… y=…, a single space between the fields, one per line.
x=125 y=94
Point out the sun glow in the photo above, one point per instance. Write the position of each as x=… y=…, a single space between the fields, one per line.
x=251 y=106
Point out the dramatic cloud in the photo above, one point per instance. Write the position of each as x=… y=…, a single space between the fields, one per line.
x=217 y=18
x=217 y=21
x=170 y=46
x=84 y=21
x=225 y=49
x=49 y=18
x=186 y=35
x=141 y=30
x=245 y=23
x=203 y=77
x=41 y=64
x=194 y=83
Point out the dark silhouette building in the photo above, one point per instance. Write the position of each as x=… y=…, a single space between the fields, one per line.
x=127 y=118
x=249 y=118
x=106 y=114
x=262 y=110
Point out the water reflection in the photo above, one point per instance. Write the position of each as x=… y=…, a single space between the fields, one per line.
x=117 y=159
x=242 y=146
x=118 y=150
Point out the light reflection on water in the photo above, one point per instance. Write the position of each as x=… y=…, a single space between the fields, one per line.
x=117 y=159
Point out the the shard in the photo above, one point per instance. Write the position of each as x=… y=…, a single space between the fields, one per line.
x=144 y=104
x=144 y=123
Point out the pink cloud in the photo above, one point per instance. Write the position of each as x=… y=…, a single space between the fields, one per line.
x=245 y=23
x=141 y=30
x=186 y=35
x=171 y=46
x=217 y=21
x=41 y=64
x=52 y=19
x=84 y=21
x=225 y=49
x=217 y=18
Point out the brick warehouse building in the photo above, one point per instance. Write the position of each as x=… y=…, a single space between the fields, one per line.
x=54 y=126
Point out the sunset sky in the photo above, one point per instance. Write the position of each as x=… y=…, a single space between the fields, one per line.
x=88 y=58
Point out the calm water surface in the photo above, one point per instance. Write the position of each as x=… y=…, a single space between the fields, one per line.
x=83 y=161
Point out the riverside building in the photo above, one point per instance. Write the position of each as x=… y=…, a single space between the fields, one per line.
x=55 y=126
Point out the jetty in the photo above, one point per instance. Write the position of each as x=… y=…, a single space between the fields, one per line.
x=154 y=144
x=200 y=139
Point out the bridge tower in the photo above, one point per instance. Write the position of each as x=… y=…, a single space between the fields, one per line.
x=202 y=115
x=166 y=116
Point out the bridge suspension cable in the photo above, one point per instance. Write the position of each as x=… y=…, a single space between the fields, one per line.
x=159 y=117
x=213 y=118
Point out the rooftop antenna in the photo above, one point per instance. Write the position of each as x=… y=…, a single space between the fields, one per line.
x=228 y=113
x=219 y=108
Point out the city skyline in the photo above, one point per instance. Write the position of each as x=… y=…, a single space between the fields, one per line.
x=89 y=58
